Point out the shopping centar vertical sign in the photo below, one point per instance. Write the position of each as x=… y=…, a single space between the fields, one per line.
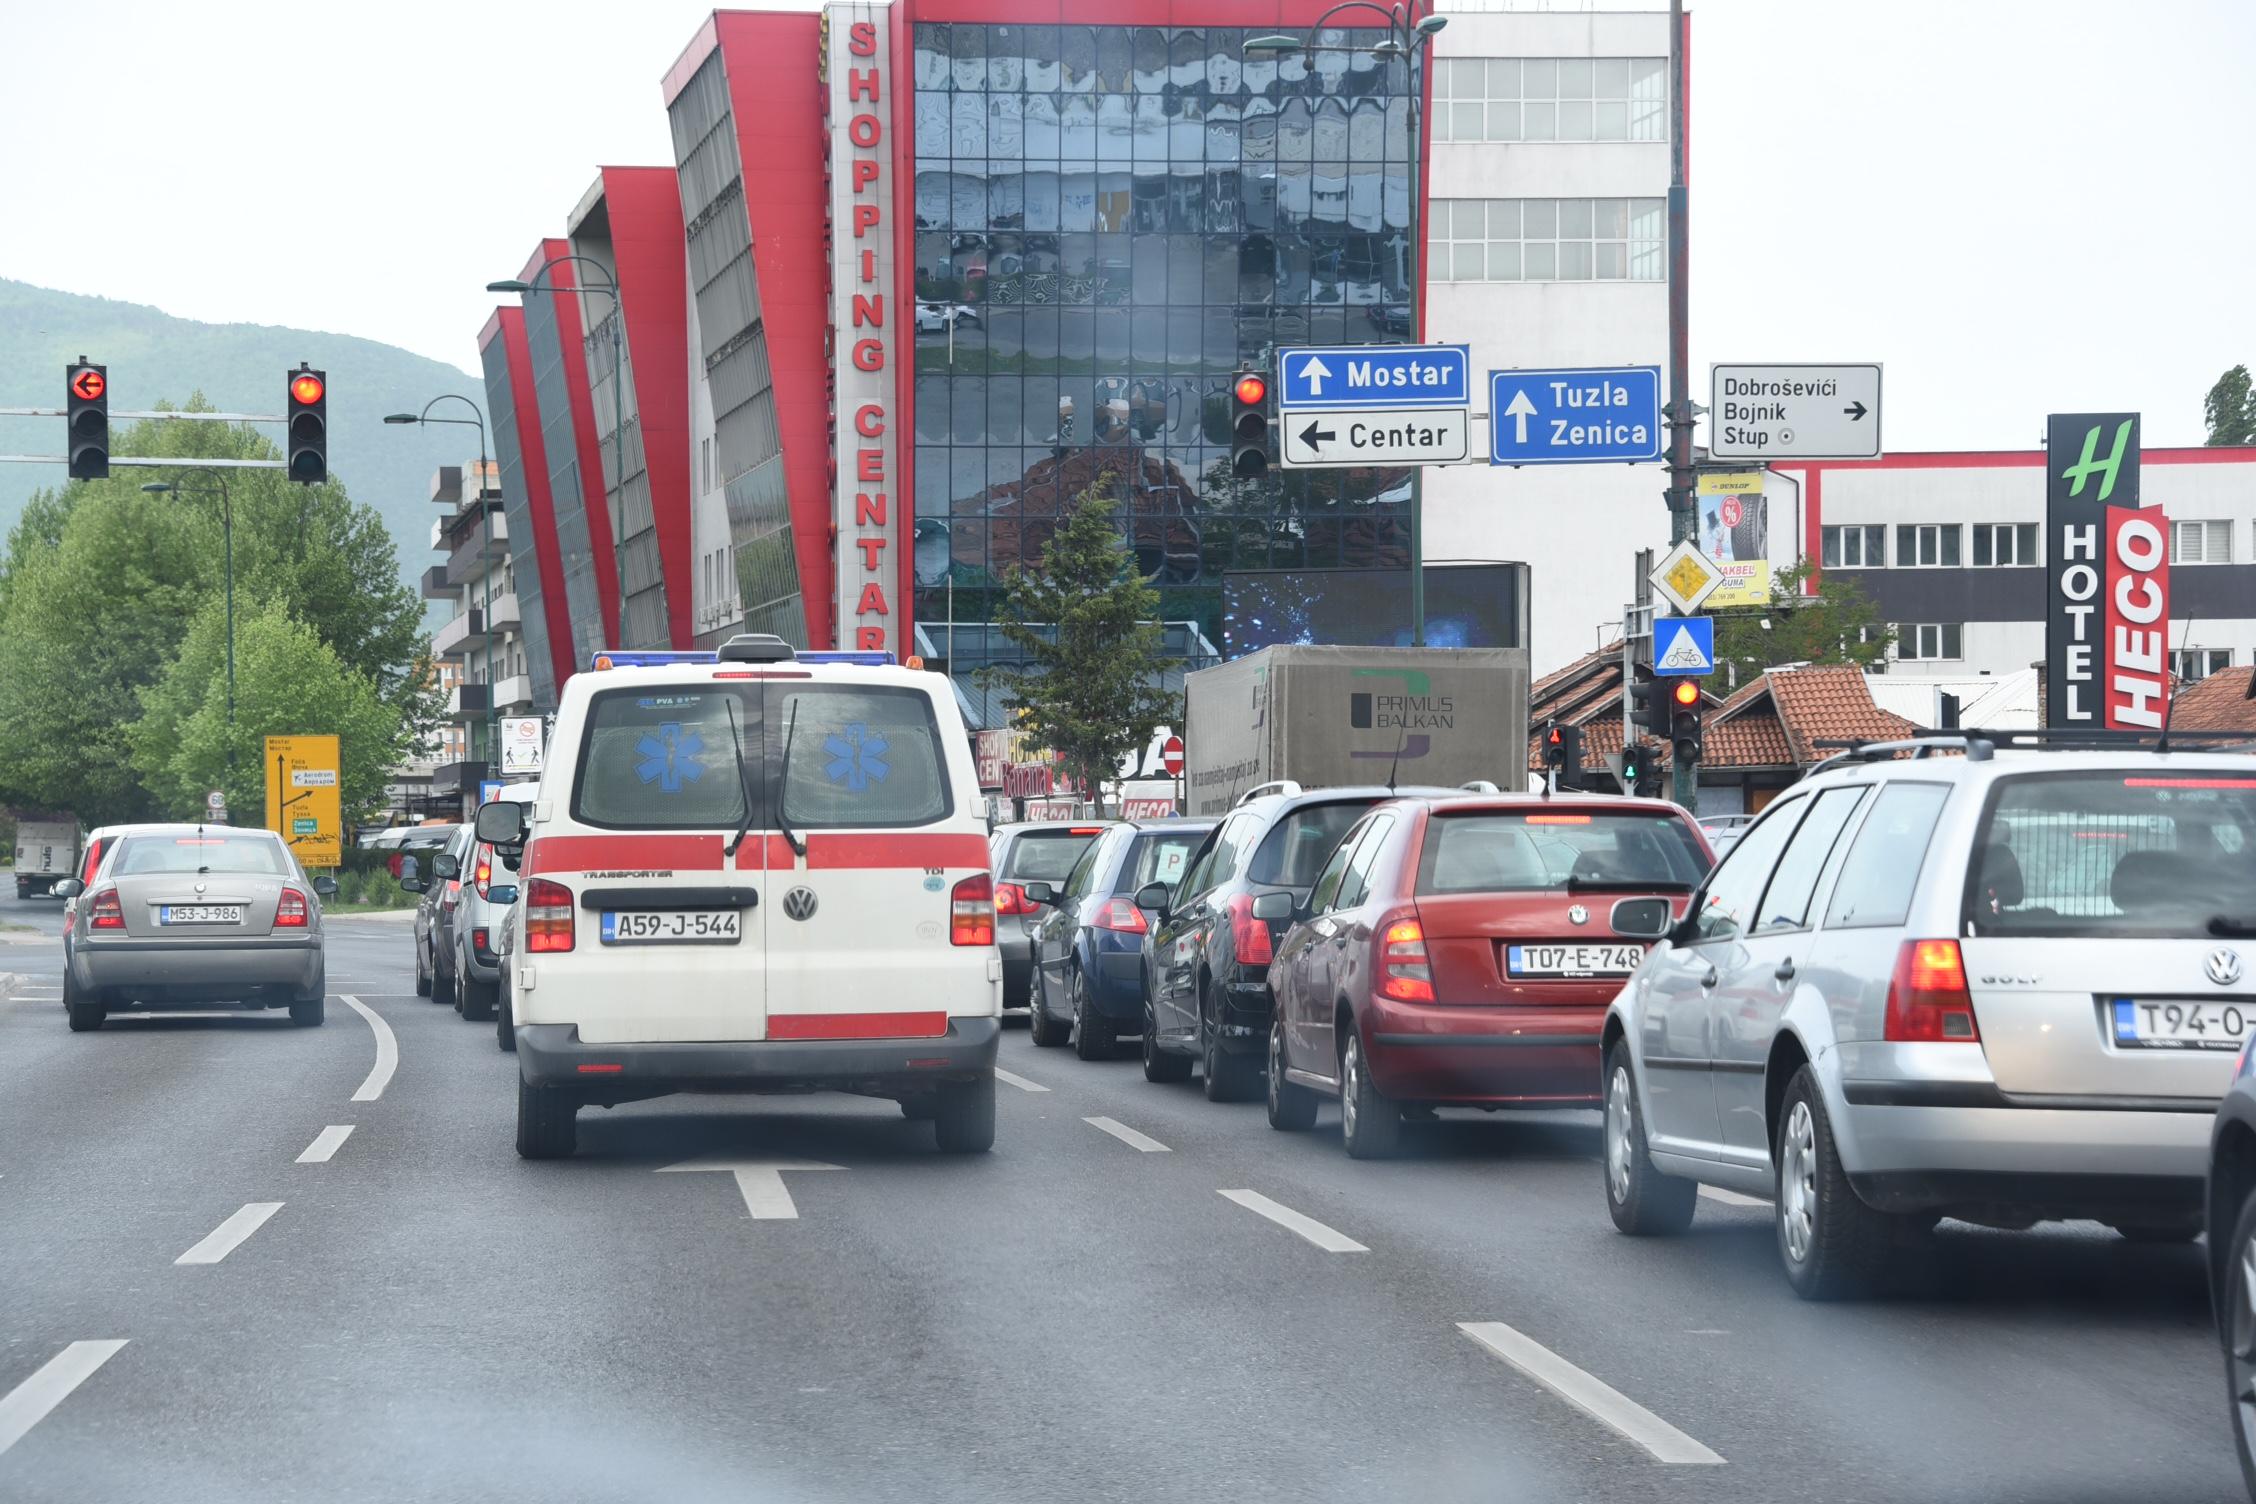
x=2107 y=618
x=865 y=325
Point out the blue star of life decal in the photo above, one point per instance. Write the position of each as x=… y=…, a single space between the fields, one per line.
x=668 y=757
x=856 y=757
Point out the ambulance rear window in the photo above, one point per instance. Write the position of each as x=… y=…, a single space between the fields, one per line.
x=861 y=756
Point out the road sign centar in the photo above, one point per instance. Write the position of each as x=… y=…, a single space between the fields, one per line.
x=87 y=384
x=1379 y=376
x=1608 y=414
x=1374 y=436
x=302 y=797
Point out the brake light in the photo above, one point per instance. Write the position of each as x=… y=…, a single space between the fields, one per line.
x=1086 y=830
x=1558 y=819
x=290 y=910
x=105 y=912
x=1249 y=936
x=1010 y=898
x=971 y=911
x=479 y=942
x=548 y=916
x=1121 y=916
x=483 y=873
x=1927 y=996
x=1405 y=971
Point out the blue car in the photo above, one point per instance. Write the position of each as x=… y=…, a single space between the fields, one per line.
x=1088 y=944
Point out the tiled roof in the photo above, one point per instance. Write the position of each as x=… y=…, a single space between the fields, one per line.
x=1752 y=740
x=1828 y=702
x=2217 y=703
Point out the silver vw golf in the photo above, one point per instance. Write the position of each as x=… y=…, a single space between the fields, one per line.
x=191 y=915
x=2005 y=986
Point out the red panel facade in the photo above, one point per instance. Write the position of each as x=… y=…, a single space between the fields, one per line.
x=646 y=249
x=508 y=325
x=562 y=275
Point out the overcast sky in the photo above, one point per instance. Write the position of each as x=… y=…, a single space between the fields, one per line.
x=2019 y=207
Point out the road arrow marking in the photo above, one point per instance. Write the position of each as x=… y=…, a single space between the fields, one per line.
x=1315 y=437
x=28 y=1403
x=1313 y=371
x=1519 y=409
x=760 y=1181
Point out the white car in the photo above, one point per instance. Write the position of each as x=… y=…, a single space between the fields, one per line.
x=753 y=871
x=932 y=318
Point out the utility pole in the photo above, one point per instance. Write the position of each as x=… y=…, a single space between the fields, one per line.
x=1680 y=408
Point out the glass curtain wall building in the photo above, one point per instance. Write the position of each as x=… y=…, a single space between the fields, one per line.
x=1110 y=223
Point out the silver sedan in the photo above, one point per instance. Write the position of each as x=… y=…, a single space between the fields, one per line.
x=193 y=915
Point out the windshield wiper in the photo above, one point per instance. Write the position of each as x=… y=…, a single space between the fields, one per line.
x=783 y=784
x=743 y=781
x=2227 y=925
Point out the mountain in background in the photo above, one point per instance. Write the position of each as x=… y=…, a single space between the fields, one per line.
x=241 y=368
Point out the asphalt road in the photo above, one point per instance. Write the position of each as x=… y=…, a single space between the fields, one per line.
x=1079 y=1315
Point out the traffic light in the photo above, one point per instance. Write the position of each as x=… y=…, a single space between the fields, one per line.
x=308 y=407
x=1684 y=721
x=1649 y=709
x=1633 y=767
x=1562 y=749
x=1249 y=424
x=86 y=415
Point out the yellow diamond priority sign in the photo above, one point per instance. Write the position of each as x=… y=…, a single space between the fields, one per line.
x=1686 y=577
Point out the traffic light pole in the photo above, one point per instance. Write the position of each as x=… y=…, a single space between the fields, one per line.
x=1683 y=777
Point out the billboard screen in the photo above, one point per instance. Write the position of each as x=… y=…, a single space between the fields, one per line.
x=1467 y=606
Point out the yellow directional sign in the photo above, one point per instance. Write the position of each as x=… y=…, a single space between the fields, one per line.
x=302 y=799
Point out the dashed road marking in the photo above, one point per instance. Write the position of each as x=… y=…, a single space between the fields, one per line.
x=1593 y=1396
x=1018 y=1081
x=1308 y=1227
x=229 y=1235
x=325 y=1144
x=387 y=1050
x=1722 y=1197
x=27 y=1404
x=1128 y=1135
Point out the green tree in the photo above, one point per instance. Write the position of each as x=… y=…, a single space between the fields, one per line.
x=288 y=682
x=1837 y=624
x=2230 y=409
x=1091 y=693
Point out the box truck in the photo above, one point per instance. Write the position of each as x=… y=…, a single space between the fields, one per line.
x=46 y=851
x=1328 y=716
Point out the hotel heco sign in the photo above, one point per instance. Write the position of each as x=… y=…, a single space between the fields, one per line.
x=865 y=494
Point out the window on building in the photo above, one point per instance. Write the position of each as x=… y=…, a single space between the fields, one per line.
x=1551 y=99
x=1930 y=641
x=2002 y=544
x=1854 y=547
x=1548 y=240
x=1927 y=545
x=2190 y=664
x=2201 y=542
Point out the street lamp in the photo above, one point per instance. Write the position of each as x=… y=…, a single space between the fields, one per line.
x=1407 y=34
x=477 y=420
x=227 y=532
x=610 y=284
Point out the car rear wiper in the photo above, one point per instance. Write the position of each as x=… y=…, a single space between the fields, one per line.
x=783 y=784
x=2227 y=925
x=1640 y=884
x=743 y=780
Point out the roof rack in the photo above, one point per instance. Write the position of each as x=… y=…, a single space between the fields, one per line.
x=1480 y=786
x=1976 y=745
x=1284 y=786
x=1979 y=743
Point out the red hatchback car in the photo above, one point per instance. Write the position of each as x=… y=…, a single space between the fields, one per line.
x=1458 y=953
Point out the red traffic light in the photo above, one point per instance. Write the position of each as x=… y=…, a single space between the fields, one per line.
x=88 y=384
x=1252 y=390
x=306 y=389
x=1685 y=693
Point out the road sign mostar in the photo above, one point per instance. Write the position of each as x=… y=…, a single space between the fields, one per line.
x=1390 y=376
x=1609 y=414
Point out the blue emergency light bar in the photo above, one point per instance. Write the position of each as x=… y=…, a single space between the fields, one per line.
x=657 y=658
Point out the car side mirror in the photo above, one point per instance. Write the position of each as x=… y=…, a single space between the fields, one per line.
x=1156 y=897
x=411 y=883
x=502 y=822
x=500 y=895
x=445 y=865
x=1039 y=892
x=1273 y=906
x=1643 y=918
x=69 y=887
x=325 y=887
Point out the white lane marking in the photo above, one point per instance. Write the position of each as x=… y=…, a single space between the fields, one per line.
x=1308 y=1227
x=760 y=1181
x=1592 y=1396
x=1722 y=1197
x=387 y=1051
x=27 y=1404
x=1018 y=1081
x=229 y=1235
x=325 y=1144
x=1128 y=1135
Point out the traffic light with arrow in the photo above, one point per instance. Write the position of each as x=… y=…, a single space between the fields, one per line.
x=86 y=414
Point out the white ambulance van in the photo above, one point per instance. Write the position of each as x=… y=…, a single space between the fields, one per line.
x=753 y=871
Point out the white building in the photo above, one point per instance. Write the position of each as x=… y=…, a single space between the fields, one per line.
x=1547 y=247
x=480 y=649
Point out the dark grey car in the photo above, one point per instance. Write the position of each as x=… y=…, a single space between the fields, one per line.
x=189 y=914
x=1018 y=855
